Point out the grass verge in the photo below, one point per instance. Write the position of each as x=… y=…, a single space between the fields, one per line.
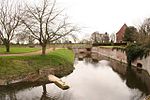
x=17 y=50
x=13 y=66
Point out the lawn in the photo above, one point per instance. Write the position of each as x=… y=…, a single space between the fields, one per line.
x=21 y=65
x=17 y=49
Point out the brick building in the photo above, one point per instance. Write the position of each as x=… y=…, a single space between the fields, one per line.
x=120 y=34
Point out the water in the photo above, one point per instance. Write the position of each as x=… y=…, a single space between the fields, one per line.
x=89 y=81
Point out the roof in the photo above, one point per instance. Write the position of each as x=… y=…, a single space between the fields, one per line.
x=122 y=29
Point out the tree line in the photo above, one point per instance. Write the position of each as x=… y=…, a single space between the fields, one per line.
x=138 y=40
x=43 y=21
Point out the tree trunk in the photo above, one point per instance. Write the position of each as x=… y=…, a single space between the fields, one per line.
x=129 y=63
x=7 y=45
x=43 y=49
x=44 y=96
x=44 y=89
x=6 y=42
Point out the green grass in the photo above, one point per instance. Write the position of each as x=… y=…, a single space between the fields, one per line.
x=17 y=49
x=18 y=66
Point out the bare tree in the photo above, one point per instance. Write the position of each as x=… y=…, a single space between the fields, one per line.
x=145 y=27
x=113 y=37
x=46 y=23
x=21 y=38
x=95 y=37
x=9 y=21
x=0 y=41
x=143 y=34
x=71 y=37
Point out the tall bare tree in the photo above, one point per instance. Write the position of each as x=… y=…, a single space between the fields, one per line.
x=112 y=37
x=143 y=35
x=46 y=23
x=145 y=27
x=95 y=37
x=9 y=21
x=21 y=38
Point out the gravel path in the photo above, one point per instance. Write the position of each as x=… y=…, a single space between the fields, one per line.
x=28 y=54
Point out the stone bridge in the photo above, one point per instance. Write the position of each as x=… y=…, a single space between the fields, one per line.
x=71 y=45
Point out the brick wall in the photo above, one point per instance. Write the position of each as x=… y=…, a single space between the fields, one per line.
x=120 y=56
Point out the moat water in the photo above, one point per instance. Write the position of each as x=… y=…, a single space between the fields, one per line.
x=89 y=81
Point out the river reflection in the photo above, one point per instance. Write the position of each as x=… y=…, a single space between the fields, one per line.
x=95 y=82
x=89 y=81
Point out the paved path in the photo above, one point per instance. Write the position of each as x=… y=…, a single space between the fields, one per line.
x=30 y=53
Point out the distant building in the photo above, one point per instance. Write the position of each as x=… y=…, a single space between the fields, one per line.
x=105 y=38
x=120 y=34
x=97 y=37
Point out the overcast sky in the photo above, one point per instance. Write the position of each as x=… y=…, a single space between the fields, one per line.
x=106 y=15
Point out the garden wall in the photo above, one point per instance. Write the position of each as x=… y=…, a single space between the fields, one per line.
x=121 y=56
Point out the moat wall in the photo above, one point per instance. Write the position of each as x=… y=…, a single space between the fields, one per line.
x=121 y=56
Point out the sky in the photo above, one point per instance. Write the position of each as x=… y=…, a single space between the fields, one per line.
x=105 y=15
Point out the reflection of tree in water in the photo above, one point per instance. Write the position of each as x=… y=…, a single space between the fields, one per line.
x=91 y=58
x=2 y=96
x=87 y=60
x=134 y=82
x=10 y=96
x=60 y=95
x=45 y=96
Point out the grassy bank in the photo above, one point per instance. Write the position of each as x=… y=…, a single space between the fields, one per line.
x=19 y=66
x=17 y=49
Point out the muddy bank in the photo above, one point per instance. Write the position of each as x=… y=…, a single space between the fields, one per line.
x=32 y=69
x=33 y=79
